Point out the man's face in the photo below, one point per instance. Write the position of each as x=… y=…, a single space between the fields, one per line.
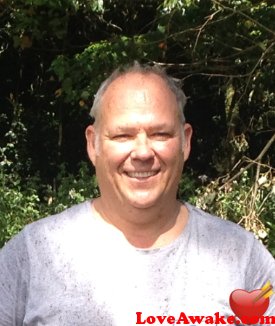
x=138 y=147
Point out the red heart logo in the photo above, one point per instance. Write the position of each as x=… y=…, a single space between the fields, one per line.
x=247 y=307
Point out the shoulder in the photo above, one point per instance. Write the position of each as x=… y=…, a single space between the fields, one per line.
x=216 y=228
x=224 y=241
x=230 y=245
x=70 y=216
x=228 y=241
x=51 y=229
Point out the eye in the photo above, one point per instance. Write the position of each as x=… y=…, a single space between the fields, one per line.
x=161 y=136
x=121 y=137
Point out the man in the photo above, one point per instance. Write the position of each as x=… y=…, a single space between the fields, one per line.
x=135 y=252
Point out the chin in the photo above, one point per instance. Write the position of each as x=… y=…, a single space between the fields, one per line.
x=142 y=205
x=143 y=202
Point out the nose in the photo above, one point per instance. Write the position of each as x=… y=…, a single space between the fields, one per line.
x=142 y=148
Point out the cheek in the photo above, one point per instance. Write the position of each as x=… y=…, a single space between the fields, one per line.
x=170 y=152
x=114 y=154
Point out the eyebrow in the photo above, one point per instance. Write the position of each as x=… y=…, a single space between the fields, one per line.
x=161 y=126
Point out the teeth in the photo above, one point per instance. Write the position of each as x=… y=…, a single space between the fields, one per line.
x=141 y=174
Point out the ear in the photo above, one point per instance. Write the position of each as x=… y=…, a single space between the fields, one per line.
x=91 y=143
x=188 y=131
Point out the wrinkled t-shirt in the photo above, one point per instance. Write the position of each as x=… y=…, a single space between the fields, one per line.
x=73 y=269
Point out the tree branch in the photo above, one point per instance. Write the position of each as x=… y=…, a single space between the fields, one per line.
x=258 y=159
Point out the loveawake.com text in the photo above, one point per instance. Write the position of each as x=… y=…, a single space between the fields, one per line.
x=215 y=319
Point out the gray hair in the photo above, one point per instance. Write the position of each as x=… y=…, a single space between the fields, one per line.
x=172 y=83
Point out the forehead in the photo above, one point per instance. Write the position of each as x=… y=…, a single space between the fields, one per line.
x=137 y=92
x=136 y=80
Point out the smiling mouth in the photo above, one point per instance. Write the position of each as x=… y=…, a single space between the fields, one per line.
x=141 y=174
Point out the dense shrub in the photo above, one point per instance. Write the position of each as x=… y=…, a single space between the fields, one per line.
x=24 y=201
x=246 y=200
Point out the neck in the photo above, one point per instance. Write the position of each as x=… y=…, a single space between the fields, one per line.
x=152 y=227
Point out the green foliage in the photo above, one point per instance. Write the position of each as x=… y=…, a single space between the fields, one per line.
x=44 y=19
x=71 y=189
x=24 y=201
x=81 y=75
x=243 y=199
x=17 y=206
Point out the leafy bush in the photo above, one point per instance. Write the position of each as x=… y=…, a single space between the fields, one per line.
x=24 y=201
x=244 y=199
x=17 y=206
x=70 y=189
x=25 y=198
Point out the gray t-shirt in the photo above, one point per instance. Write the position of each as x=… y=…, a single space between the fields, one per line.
x=73 y=269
